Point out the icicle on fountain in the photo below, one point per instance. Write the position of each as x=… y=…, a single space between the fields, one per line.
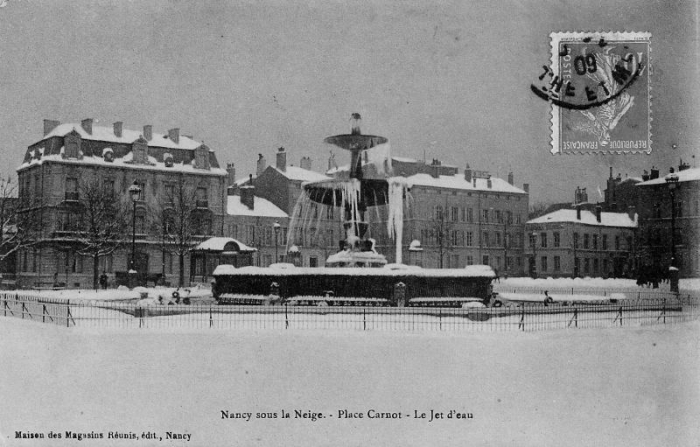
x=366 y=185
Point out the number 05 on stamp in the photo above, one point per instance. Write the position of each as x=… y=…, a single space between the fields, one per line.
x=599 y=88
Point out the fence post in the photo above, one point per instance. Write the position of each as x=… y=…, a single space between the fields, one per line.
x=364 y=318
x=43 y=313
x=574 y=319
x=23 y=309
x=521 y=325
x=440 y=318
x=211 y=318
x=68 y=315
x=286 y=317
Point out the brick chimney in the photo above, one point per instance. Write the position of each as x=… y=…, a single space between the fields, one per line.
x=526 y=187
x=87 y=125
x=248 y=194
x=468 y=173
x=598 y=213
x=489 y=183
x=50 y=125
x=262 y=164
x=435 y=168
x=281 y=160
x=510 y=177
x=305 y=163
x=118 y=126
x=174 y=135
x=148 y=132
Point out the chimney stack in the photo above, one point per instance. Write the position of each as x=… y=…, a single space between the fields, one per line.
x=281 y=160
x=50 y=125
x=510 y=177
x=148 y=132
x=174 y=135
x=611 y=176
x=631 y=212
x=118 y=126
x=654 y=173
x=468 y=173
x=598 y=213
x=526 y=187
x=87 y=125
x=578 y=212
x=231 y=171
x=262 y=164
x=489 y=183
x=305 y=163
x=248 y=194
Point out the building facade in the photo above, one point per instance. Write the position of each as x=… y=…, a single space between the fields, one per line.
x=580 y=243
x=68 y=155
x=666 y=202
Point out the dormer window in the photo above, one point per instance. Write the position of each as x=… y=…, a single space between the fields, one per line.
x=108 y=154
x=72 y=145
x=201 y=157
x=168 y=160
x=140 y=151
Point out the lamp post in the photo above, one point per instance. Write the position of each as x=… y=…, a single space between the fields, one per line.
x=276 y=227
x=672 y=183
x=135 y=193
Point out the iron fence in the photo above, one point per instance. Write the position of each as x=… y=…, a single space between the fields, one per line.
x=515 y=317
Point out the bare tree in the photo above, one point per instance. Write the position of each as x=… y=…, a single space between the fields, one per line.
x=102 y=224
x=442 y=228
x=17 y=224
x=177 y=221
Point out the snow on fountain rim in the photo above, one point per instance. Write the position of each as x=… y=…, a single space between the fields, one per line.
x=394 y=270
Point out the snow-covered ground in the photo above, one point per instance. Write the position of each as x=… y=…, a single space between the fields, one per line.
x=612 y=387
x=612 y=284
x=197 y=293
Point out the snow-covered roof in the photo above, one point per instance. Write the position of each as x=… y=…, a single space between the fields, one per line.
x=459 y=182
x=123 y=162
x=304 y=175
x=469 y=271
x=219 y=244
x=587 y=218
x=261 y=208
x=100 y=133
x=687 y=175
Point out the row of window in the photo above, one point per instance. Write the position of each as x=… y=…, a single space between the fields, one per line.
x=593 y=265
x=466 y=214
x=590 y=241
x=460 y=238
x=258 y=236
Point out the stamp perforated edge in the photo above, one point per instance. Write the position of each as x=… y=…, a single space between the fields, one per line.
x=609 y=36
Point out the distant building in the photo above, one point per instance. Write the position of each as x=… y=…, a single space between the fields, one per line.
x=579 y=243
x=54 y=166
x=655 y=205
x=621 y=193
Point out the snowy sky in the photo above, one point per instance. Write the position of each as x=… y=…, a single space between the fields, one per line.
x=448 y=78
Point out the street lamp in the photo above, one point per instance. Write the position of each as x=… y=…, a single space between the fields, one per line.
x=672 y=183
x=276 y=227
x=135 y=193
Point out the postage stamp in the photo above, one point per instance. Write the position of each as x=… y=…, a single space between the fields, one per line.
x=598 y=84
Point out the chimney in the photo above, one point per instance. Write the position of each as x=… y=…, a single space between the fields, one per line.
x=148 y=132
x=578 y=212
x=510 y=177
x=174 y=135
x=435 y=168
x=654 y=173
x=468 y=173
x=118 y=126
x=473 y=182
x=248 y=194
x=526 y=187
x=631 y=212
x=489 y=183
x=598 y=213
x=305 y=163
x=262 y=164
x=281 y=160
x=50 y=125
x=87 y=125
x=231 y=171
x=611 y=172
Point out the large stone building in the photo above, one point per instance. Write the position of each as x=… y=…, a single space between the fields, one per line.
x=68 y=155
x=670 y=201
x=579 y=243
